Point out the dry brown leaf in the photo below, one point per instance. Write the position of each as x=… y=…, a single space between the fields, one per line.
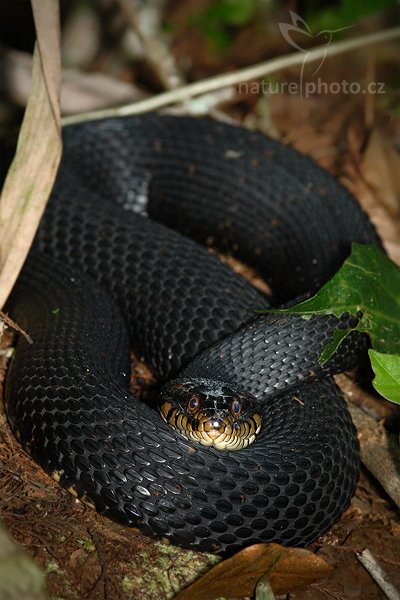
x=374 y=179
x=289 y=569
x=33 y=170
x=80 y=92
x=379 y=449
x=20 y=577
x=380 y=167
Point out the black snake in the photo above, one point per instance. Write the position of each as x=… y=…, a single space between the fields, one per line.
x=119 y=262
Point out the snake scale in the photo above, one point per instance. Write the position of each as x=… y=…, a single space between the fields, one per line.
x=121 y=261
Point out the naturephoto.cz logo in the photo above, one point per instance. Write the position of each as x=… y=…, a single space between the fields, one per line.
x=316 y=85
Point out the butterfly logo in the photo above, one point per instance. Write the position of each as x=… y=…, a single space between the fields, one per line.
x=299 y=26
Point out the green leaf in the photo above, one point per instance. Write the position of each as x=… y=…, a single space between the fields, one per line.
x=232 y=12
x=331 y=347
x=387 y=374
x=367 y=282
x=217 y=19
x=351 y=11
x=346 y=15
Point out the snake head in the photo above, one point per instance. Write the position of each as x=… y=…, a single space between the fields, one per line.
x=211 y=413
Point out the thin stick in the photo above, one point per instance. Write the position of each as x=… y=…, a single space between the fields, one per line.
x=379 y=451
x=6 y=320
x=369 y=108
x=155 y=50
x=369 y=563
x=220 y=81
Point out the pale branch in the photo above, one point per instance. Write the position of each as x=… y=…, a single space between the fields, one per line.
x=380 y=452
x=371 y=565
x=6 y=320
x=144 y=21
x=198 y=88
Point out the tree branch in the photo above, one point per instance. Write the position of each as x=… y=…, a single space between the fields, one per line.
x=220 y=81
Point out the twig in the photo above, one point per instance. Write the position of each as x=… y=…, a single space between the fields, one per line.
x=79 y=92
x=103 y=565
x=371 y=405
x=379 y=451
x=146 y=28
x=220 y=81
x=378 y=574
x=369 y=108
x=4 y=318
x=324 y=591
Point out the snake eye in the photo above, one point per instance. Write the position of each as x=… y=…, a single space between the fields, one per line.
x=236 y=408
x=193 y=403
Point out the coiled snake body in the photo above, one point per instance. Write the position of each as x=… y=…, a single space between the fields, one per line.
x=105 y=276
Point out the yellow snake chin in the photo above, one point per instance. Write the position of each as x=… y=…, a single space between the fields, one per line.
x=225 y=437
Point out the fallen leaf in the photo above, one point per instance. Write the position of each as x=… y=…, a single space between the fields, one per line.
x=77 y=557
x=20 y=577
x=380 y=170
x=374 y=179
x=380 y=167
x=80 y=92
x=288 y=569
